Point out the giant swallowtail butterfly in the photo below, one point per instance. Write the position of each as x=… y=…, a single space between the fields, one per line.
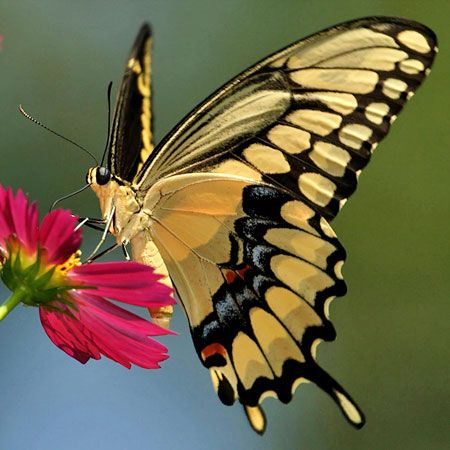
x=234 y=206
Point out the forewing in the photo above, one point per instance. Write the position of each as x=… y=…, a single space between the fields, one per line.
x=307 y=118
x=131 y=140
x=255 y=270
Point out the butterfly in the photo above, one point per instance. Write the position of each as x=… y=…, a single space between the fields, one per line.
x=233 y=207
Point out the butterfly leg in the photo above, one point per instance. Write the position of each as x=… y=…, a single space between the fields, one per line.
x=105 y=233
x=125 y=251
x=90 y=222
x=103 y=253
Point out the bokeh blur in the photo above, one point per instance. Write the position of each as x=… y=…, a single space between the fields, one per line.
x=392 y=348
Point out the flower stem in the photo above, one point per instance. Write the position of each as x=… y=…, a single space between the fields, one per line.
x=15 y=298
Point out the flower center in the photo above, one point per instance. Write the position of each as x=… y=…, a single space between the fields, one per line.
x=66 y=266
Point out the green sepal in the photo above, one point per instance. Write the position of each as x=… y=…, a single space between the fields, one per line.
x=34 y=286
x=17 y=263
x=31 y=271
x=41 y=281
x=7 y=274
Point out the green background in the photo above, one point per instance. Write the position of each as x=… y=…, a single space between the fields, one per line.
x=392 y=347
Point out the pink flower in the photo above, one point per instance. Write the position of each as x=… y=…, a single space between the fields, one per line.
x=41 y=265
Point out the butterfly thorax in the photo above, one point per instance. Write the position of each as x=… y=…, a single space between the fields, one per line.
x=117 y=197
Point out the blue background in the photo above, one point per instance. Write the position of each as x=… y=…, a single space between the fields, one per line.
x=391 y=352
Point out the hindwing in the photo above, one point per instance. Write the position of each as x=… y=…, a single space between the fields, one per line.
x=255 y=269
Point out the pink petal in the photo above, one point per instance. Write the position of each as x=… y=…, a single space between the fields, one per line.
x=100 y=327
x=121 y=318
x=58 y=236
x=18 y=218
x=69 y=335
x=125 y=281
x=125 y=342
x=33 y=225
x=5 y=223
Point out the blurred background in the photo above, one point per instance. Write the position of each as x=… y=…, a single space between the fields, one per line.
x=392 y=348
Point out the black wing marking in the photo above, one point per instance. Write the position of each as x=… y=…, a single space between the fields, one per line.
x=307 y=118
x=131 y=139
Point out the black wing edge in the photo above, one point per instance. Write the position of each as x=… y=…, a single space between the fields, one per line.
x=125 y=142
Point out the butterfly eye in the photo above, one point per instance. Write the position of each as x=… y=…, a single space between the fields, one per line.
x=102 y=176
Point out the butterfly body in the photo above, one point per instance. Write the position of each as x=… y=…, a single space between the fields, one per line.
x=132 y=225
x=234 y=206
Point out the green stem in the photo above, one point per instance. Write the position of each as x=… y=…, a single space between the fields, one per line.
x=15 y=298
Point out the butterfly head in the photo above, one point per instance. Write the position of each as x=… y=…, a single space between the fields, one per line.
x=102 y=182
x=98 y=176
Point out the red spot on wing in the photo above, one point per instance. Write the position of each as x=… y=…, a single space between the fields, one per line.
x=232 y=274
x=213 y=349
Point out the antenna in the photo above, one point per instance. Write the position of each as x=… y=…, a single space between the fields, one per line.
x=68 y=196
x=29 y=117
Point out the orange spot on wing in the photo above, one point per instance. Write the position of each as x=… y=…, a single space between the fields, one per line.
x=231 y=275
x=213 y=349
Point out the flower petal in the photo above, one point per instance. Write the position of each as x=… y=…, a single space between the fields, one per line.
x=58 y=236
x=69 y=335
x=19 y=218
x=125 y=281
x=119 y=317
x=124 y=338
x=100 y=327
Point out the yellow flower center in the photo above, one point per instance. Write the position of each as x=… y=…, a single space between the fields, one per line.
x=74 y=260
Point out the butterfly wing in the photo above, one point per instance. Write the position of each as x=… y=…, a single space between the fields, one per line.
x=256 y=270
x=307 y=118
x=131 y=140
x=251 y=253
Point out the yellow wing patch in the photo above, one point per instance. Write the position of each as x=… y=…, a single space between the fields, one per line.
x=144 y=86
